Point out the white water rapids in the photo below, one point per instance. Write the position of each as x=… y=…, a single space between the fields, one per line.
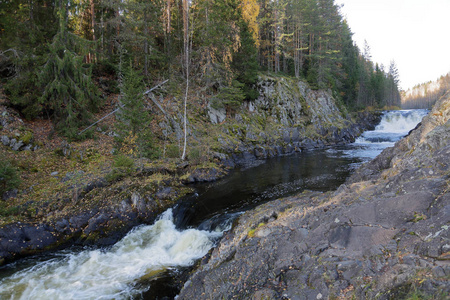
x=111 y=274
x=393 y=126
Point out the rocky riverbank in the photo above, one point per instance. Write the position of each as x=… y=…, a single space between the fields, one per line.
x=83 y=197
x=287 y=117
x=382 y=235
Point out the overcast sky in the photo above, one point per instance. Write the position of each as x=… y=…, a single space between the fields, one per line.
x=414 y=33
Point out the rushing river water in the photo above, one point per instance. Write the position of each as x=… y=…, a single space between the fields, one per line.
x=146 y=263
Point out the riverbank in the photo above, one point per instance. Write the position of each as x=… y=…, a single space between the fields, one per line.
x=383 y=234
x=79 y=193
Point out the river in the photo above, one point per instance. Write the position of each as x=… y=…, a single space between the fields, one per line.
x=152 y=260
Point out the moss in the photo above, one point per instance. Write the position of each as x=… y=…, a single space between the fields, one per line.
x=252 y=232
x=27 y=137
x=419 y=217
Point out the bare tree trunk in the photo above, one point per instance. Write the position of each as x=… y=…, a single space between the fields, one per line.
x=296 y=53
x=208 y=50
x=146 y=46
x=167 y=26
x=93 y=58
x=275 y=39
x=169 y=29
x=186 y=49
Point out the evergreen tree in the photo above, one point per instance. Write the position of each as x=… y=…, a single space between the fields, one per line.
x=245 y=63
x=9 y=176
x=69 y=95
x=26 y=28
x=133 y=126
x=349 y=88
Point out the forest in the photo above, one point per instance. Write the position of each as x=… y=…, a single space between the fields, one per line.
x=54 y=53
x=426 y=94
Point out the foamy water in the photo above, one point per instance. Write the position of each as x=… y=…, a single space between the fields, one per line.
x=112 y=274
x=393 y=126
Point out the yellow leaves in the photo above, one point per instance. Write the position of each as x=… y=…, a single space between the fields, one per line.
x=129 y=145
x=250 y=11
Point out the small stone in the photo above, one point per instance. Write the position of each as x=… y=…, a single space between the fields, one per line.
x=17 y=145
x=319 y=296
x=54 y=173
x=438 y=272
x=5 y=140
x=10 y=194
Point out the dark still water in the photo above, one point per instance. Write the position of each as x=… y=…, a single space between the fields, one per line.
x=319 y=170
x=152 y=261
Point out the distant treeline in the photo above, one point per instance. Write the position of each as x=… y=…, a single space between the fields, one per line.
x=426 y=94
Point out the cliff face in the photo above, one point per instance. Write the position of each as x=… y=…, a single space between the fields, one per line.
x=292 y=103
x=384 y=234
x=287 y=116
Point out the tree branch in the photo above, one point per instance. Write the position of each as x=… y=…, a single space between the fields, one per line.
x=117 y=109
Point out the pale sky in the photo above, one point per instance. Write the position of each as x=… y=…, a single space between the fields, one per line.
x=414 y=33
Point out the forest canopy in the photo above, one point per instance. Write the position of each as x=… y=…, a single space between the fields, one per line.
x=52 y=51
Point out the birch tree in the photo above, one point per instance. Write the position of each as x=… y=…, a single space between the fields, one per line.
x=186 y=62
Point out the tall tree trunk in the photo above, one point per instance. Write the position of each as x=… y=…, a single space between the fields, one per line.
x=93 y=58
x=275 y=39
x=167 y=27
x=208 y=49
x=146 y=46
x=296 y=52
x=186 y=50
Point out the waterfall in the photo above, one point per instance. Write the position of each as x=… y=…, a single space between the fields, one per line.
x=393 y=126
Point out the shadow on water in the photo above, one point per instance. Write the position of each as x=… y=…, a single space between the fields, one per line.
x=244 y=189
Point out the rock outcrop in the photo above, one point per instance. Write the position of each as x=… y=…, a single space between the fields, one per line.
x=287 y=117
x=382 y=235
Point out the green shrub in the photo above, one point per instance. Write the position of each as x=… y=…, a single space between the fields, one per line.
x=122 y=166
x=8 y=211
x=9 y=177
x=123 y=162
x=27 y=137
x=195 y=155
x=173 y=151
